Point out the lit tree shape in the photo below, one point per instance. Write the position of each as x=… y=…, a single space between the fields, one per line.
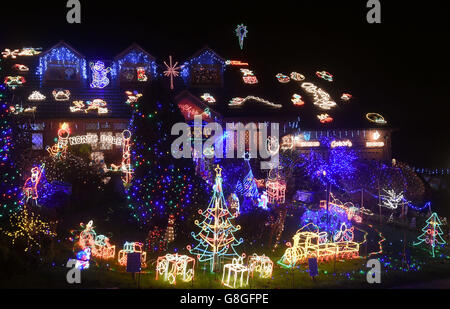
x=216 y=237
x=432 y=233
x=391 y=199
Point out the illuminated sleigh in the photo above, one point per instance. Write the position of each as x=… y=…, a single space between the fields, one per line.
x=314 y=244
x=102 y=248
x=132 y=247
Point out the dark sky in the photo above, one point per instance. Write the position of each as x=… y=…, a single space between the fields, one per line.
x=400 y=66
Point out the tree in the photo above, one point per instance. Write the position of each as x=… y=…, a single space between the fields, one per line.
x=216 y=237
x=432 y=233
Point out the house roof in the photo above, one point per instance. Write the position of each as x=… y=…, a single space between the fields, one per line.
x=133 y=47
x=202 y=50
x=62 y=44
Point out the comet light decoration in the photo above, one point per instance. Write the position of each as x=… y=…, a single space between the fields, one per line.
x=325 y=75
x=260 y=264
x=216 y=237
x=208 y=98
x=320 y=98
x=284 y=79
x=314 y=244
x=376 y=118
x=30 y=227
x=297 y=77
x=325 y=118
x=61 y=95
x=240 y=101
x=241 y=32
x=391 y=199
x=132 y=247
x=432 y=234
x=20 y=67
x=15 y=81
x=172 y=70
x=248 y=77
x=59 y=150
x=36 y=96
x=346 y=97
x=297 y=100
x=172 y=266
x=236 y=274
x=99 y=75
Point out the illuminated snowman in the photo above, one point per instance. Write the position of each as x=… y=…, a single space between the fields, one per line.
x=99 y=75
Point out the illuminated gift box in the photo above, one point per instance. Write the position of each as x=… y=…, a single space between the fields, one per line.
x=132 y=247
x=260 y=264
x=172 y=265
x=102 y=248
x=276 y=190
x=235 y=275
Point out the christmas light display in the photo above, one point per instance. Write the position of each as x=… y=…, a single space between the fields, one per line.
x=391 y=199
x=20 y=67
x=83 y=258
x=314 y=244
x=36 y=96
x=18 y=109
x=30 y=227
x=248 y=77
x=30 y=51
x=216 y=238
x=236 y=63
x=344 y=143
x=132 y=98
x=170 y=233
x=61 y=95
x=62 y=54
x=129 y=64
x=260 y=264
x=14 y=81
x=276 y=188
x=325 y=118
x=432 y=234
x=126 y=157
x=132 y=247
x=346 y=97
x=59 y=150
x=297 y=100
x=374 y=144
x=263 y=200
x=247 y=187
x=172 y=70
x=235 y=275
x=320 y=98
x=30 y=188
x=344 y=233
x=241 y=32
x=102 y=249
x=10 y=53
x=376 y=118
x=234 y=204
x=240 y=101
x=287 y=143
x=325 y=75
x=172 y=266
x=99 y=74
x=141 y=76
x=156 y=241
x=97 y=104
x=283 y=78
x=208 y=98
x=297 y=77
x=92 y=139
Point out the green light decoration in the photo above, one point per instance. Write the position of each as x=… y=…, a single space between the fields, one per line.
x=216 y=238
x=432 y=233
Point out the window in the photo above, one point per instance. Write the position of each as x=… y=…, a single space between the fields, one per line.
x=206 y=74
x=37 y=141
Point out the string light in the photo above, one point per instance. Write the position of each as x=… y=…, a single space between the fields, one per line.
x=172 y=266
x=235 y=275
x=240 y=101
x=170 y=233
x=99 y=74
x=391 y=199
x=36 y=96
x=320 y=98
x=61 y=95
x=172 y=70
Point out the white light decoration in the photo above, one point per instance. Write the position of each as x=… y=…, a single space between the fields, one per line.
x=83 y=139
x=297 y=77
x=297 y=100
x=260 y=264
x=376 y=135
x=344 y=143
x=61 y=95
x=248 y=77
x=10 y=53
x=307 y=144
x=391 y=199
x=320 y=98
x=273 y=145
x=283 y=78
x=172 y=266
x=346 y=97
x=374 y=144
x=376 y=118
x=324 y=118
x=36 y=96
x=208 y=98
x=235 y=275
x=240 y=101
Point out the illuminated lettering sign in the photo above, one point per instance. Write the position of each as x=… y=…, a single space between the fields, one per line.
x=374 y=144
x=346 y=143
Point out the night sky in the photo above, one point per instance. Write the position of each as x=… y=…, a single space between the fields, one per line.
x=400 y=66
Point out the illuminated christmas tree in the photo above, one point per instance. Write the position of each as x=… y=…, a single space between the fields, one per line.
x=216 y=238
x=432 y=233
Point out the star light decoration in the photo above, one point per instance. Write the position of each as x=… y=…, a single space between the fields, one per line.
x=172 y=70
x=241 y=33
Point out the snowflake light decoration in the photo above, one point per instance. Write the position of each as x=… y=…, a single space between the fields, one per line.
x=172 y=70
